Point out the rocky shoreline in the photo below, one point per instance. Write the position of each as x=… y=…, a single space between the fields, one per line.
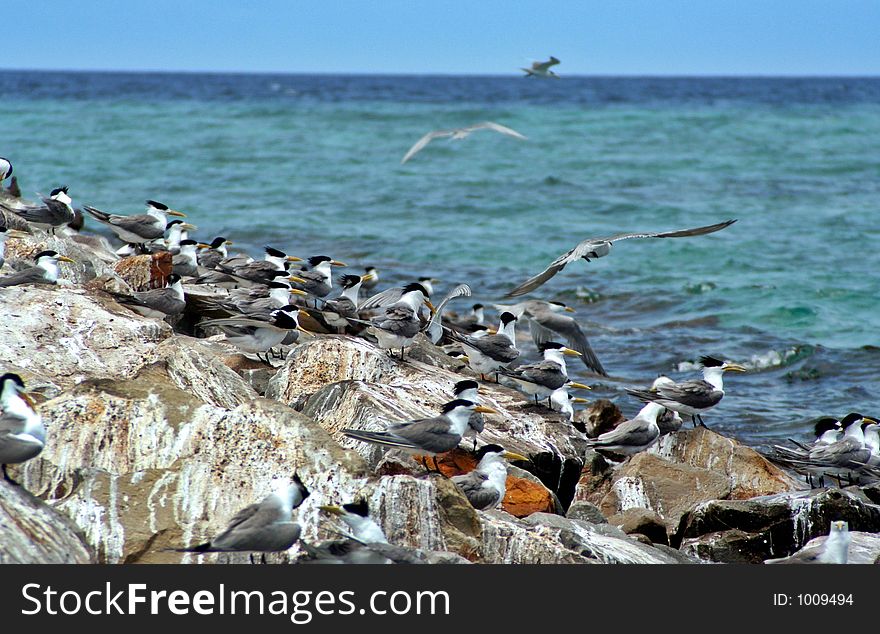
x=157 y=438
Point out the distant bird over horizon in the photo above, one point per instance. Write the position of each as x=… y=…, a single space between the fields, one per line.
x=600 y=247
x=542 y=69
x=458 y=133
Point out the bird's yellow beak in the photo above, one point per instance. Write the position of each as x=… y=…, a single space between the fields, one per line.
x=297 y=291
x=570 y=352
x=430 y=306
x=172 y=212
x=579 y=386
x=64 y=258
x=569 y=309
x=304 y=331
x=291 y=258
x=202 y=245
x=734 y=367
x=509 y=455
x=367 y=277
x=15 y=233
x=332 y=509
x=337 y=263
x=578 y=399
x=294 y=278
x=484 y=410
x=492 y=331
x=27 y=399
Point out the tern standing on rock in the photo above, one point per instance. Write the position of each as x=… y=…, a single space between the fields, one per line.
x=44 y=272
x=543 y=378
x=56 y=211
x=139 y=228
x=694 y=397
x=632 y=436
x=22 y=435
x=399 y=323
x=485 y=486
x=490 y=353
x=262 y=527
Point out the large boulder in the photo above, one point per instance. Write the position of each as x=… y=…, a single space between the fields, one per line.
x=65 y=336
x=750 y=531
x=31 y=532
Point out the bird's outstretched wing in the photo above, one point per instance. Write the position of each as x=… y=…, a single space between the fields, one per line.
x=462 y=290
x=421 y=143
x=592 y=245
x=551 y=325
x=545 y=65
x=497 y=127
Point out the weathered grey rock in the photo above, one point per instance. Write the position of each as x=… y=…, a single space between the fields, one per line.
x=31 y=532
x=640 y=521
x=547 y=538
x=586 y=512
x=654 y=484
x=864 y=548
x=770 y=526
x=65 y=336
x=748 y=472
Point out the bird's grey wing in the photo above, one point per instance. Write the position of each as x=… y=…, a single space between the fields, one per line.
x=497 y=127
x=58 y=210
x=681 y=233
x=499 y=347
x=462 y=290
x=237 y=321
x=697 y=394
x=251 y=515
x=429 y=433
x=534 y=282
x=32 y=275
x=132 y=223
x=421 y=143
x=631 y=432
x=545 y=324
x=471 y=484
x=388 y=297
x=396 y=319
x=543 y=373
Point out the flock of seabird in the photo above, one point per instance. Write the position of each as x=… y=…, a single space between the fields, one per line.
x=262 y=304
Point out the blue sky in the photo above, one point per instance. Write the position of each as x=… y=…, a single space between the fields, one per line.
x=613 y=37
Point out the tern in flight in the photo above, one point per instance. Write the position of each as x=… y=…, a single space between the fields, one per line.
x=542 y=69
x=600 y=247
x=458 y=133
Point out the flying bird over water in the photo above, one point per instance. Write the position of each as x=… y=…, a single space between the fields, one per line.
x=542 y=69
x=458 y=133
x=600 y=247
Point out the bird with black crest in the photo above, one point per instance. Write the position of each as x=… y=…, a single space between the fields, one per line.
x=22 y=434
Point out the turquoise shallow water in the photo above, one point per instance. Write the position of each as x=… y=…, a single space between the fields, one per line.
x=311 y=164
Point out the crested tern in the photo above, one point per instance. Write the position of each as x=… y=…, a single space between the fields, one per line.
x=694 y=397
x=262 y=527
x=22 y=434
x=543 y=378
x=366 y=544
x=56 y=211
x=259 y=271
x=370 y=283
x=490 y=353
x=834 y=550
x=485 y=486
x=185 y=263
x=336 y=312
x=138 y=228
x=563 y=402
x=546 y=321
x=600 y=247
x=158 y=303
x=469 y=390
x=45 y=271
x=317 y=281
x=398 y=324
x=458 y=133
x=631 y=436
x=210 y=255
x=425 y=436
x=256 y=335
x=668 y=421
x=542 y=69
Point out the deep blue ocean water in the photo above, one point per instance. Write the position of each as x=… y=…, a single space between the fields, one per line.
x=311 y=164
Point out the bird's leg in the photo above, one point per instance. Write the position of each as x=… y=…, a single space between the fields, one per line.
x=549 y=403
x=251 y=557
x=702 y=424
x=536 y=399
x=263 y=558
x=482 y=377
x=822 y=481
x=475 y=444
